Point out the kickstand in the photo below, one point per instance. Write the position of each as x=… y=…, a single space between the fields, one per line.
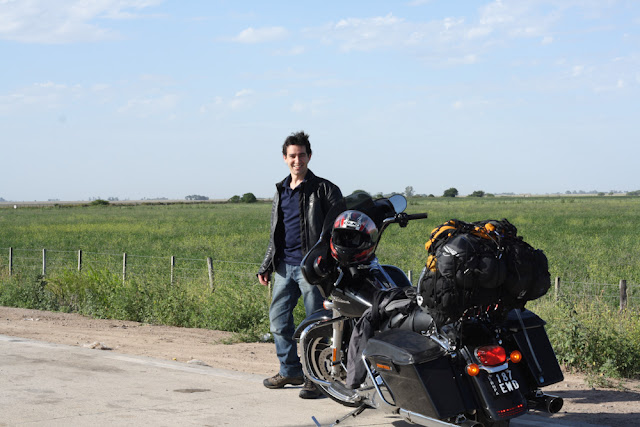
x=353 y=413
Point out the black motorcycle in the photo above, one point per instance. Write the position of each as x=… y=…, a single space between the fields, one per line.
x=377 y=346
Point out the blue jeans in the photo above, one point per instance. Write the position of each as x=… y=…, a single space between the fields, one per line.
x=288 y=285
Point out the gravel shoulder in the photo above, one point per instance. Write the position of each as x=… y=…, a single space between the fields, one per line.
x=594 y=405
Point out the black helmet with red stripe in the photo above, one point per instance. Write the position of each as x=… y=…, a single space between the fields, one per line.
x=353 y=237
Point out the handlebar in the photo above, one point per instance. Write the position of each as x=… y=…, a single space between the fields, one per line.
x=423 y=215
x=403 y=218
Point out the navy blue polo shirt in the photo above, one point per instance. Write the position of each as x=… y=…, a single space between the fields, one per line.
x=290 y=205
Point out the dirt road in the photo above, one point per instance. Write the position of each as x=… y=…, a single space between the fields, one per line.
x=582 y=403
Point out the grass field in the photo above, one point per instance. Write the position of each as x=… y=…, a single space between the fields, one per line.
x=592 y=240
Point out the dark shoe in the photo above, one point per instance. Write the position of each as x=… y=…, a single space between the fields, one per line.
x=309 y=390
x=278 y=381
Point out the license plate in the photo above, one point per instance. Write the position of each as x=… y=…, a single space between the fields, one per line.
x=503 y=382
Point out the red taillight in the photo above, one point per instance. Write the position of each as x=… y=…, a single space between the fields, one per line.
x=512 y=412
x=491 y=355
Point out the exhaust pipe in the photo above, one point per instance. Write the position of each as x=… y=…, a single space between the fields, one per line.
x=546 y=403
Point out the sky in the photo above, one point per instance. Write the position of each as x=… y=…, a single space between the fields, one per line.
x=149 y=98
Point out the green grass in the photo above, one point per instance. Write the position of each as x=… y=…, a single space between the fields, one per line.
x=587 y=240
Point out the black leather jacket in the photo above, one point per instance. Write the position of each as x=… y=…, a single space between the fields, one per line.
x=317 y=196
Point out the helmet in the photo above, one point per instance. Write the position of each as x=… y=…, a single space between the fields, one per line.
x=353 y=238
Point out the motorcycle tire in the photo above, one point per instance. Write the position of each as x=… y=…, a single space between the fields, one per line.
x=319 y=358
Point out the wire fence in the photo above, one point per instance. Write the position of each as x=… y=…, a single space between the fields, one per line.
x=174 y=270
x=170 y=269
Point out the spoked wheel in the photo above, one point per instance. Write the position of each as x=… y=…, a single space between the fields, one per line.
x=320 y=361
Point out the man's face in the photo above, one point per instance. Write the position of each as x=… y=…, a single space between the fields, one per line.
x=297 y=159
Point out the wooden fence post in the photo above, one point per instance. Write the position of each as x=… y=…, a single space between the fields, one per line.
x=557 y=288
x=623 y=295
x=79 y=260
x=173 y=264
x=10 y=261
x=44 y=262
x=211 y=275
x=124 y=267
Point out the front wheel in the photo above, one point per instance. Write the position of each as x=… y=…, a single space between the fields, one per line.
x=319 y=356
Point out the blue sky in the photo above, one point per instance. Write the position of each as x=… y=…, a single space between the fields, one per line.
x=151 y=98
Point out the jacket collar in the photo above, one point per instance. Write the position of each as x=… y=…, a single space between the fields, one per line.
x=308 y=177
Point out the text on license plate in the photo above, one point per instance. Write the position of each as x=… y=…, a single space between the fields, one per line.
x=503 y=382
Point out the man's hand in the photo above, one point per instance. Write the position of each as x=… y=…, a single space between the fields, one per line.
x=264 y=279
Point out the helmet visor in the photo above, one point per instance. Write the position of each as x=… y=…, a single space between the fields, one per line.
x=349 y=238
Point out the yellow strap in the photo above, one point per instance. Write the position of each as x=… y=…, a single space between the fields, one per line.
x=449 y=225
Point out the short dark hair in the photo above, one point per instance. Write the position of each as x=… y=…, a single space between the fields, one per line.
x=297 y=138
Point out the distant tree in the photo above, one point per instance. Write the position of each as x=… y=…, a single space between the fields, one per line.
x=248 y=198
x=2 y=200
x=477 y=193
x=451 y=192
x=196 y=197
x=408 y=192
x=378 y=195
x=634 y=193
x=234 y=199
x=431 y=195
x=99 y=202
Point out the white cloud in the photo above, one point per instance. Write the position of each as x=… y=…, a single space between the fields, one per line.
x=43 y=96
x=242 y=99
x=419 y=2
x=367 y=34
x=64 y=21
x=460 y=104
x=244 y=92
x=577 y=70
x=294 y=51
x=495 y=23
x=261 y=35
x=314 y=107
x=145 y=107
x=212 y=106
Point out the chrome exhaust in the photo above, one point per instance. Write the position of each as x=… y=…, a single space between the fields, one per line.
x=546 y=403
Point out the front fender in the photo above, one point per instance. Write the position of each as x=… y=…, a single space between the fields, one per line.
x=323 y=315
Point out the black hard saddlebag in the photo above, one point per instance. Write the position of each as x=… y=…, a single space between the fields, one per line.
x=417 y=371
x=531 y=339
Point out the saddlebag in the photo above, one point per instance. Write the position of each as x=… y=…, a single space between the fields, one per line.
x=417 y=371
x=531 y=339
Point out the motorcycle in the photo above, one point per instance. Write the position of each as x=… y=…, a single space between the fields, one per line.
x=375 y=346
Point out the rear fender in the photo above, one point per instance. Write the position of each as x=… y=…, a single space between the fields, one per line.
x=320 y=315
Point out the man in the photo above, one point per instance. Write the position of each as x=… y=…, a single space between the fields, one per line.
x=300 y=205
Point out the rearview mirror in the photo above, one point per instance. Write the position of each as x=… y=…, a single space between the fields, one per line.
x=399 y=202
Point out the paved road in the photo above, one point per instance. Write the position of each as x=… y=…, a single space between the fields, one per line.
x=44 y=384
